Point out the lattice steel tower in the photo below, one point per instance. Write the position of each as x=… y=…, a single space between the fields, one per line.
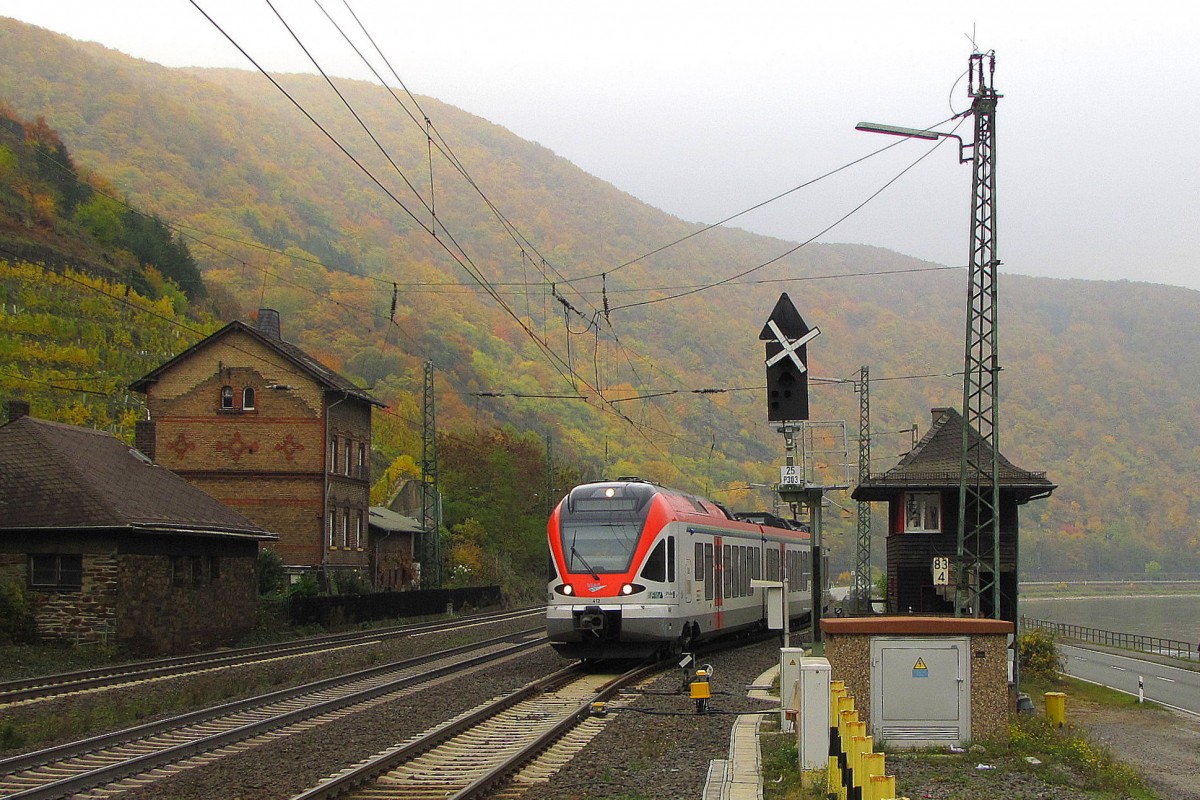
x=862 y=562
x=977 y=581
x=431 y=555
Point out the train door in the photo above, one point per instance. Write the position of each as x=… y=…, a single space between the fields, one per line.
x=718 y=565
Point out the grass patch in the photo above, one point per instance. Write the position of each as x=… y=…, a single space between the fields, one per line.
x=1082 y=690
x=782 y=779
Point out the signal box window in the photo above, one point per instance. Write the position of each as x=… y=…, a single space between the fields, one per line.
x=248 y=398
x=923 y=512
x=227 y=398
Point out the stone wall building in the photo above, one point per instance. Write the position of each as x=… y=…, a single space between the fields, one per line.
x=106 y=547
x=268 y=430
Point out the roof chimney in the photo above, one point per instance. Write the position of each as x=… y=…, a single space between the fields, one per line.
x=17 y=409
x=940 y=412
x=268 y=322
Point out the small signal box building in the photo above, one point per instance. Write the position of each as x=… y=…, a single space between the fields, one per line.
x=922 y=538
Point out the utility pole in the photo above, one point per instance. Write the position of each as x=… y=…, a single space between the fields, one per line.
x=862 y=561
x=977 y=580
x=431 y=551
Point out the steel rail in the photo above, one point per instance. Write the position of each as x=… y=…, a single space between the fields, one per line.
x=502 y=773
x=370 y=770
x=120 y=675
x=131 y=766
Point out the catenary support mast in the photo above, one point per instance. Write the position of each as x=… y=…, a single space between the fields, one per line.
x=431 y=556
x=977 y=581
x=862 y=560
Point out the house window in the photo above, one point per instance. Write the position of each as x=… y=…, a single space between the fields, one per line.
x=362 y=455
x=195 y=570
x=345 y=527
x=332 y=528
x=333 y=454
x=923 y=512
x=248 y=398
x=349 y=450
x=358 y=528
x=55 y=571
x=226 y=398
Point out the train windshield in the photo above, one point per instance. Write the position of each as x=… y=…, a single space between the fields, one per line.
x=599 y=526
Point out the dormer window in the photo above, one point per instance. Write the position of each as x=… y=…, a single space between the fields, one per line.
x=248 y=398
x=227 y=398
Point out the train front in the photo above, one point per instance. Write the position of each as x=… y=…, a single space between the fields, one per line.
x=607 y=598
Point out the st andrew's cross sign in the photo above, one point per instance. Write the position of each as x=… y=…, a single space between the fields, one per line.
x=787 y=337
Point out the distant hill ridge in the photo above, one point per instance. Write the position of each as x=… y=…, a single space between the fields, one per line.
x=1098 y=387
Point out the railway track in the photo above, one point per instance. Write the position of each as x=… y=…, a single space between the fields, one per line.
x=103 y=678
x=528 y=733
x=148 y=752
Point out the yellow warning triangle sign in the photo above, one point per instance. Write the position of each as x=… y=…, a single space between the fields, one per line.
x=920 y=664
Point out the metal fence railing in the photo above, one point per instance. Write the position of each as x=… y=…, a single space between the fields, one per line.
x=1128 y=641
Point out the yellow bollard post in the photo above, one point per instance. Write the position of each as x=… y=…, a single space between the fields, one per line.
x=883 y=787
x=873 y=767
x=862 y=746
x=1056 y=708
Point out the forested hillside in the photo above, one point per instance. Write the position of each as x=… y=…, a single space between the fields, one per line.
x=526 y=282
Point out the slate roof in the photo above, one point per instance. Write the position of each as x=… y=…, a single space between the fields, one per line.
x=321 y=373
x=62 y=476
x=936 y=463
x=389 y=521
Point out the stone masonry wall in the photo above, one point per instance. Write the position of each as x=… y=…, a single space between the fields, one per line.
x=156 y=617
x=83 y=616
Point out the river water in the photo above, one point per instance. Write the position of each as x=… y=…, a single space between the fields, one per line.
x=1175 y=616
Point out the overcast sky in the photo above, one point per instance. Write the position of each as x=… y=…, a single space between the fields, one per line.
x=705 y=108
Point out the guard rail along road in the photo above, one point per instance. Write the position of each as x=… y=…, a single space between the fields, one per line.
x=1173 y=648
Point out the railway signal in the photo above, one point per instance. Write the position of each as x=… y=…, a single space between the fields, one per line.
x=787 y=337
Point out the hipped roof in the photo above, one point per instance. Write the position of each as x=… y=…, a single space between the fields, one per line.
x=56 y=476
x=936 y=464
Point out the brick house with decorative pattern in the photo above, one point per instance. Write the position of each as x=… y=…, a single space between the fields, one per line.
x=107 y=547
x=269 y=431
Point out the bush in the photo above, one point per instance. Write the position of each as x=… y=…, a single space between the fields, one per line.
x=307 y=586
x=1038 y=655
x=271 y=577
x=17 y=623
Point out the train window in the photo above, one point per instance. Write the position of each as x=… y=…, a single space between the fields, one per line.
x=700 y=571
x=728 y=581
x=656 y=563
x=745 y=571
x=670 y=559
x=772 y=565
x=709 y=572
x=756 y=564
x=734 y=583
x=600 y=546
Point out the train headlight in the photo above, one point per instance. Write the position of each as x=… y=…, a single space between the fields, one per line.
x=566 y=589
x=630 y=588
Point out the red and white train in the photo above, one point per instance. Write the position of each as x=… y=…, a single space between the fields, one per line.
x=638 y=569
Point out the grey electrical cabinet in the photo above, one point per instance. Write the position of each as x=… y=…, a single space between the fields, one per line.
x=920 y=690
